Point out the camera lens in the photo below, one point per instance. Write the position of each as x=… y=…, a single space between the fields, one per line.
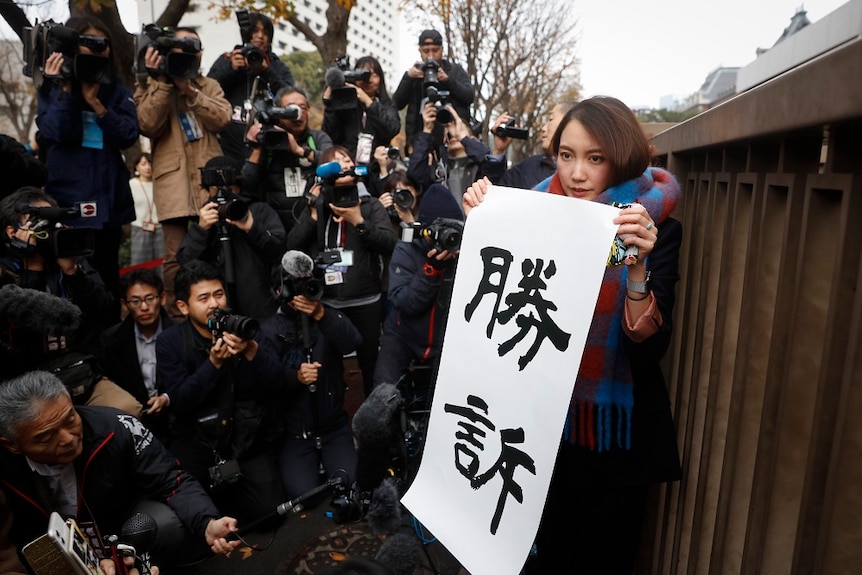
x=393 y=153
x=444 y=116
x=403 y=198
x=235 y=210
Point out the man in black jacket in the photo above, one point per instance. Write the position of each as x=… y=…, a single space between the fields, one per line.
x=450 y=77
x=96 y=464
x=222 y=377
x=132 y=342
x=237 y=79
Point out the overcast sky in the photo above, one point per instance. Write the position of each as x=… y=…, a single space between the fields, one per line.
x=640 y=51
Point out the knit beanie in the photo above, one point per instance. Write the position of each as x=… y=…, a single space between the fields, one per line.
x=437 y=202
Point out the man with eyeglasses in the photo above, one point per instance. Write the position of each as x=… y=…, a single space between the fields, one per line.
x=283 y=158
x=133 y=342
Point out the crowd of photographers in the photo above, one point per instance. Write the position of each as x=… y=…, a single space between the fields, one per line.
x=281 y=257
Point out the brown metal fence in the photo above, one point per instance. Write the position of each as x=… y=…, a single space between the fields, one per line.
x=765 y=370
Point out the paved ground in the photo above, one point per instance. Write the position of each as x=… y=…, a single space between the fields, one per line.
x=306 y=534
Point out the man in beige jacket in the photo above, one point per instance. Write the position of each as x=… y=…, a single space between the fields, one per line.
x=182 y=117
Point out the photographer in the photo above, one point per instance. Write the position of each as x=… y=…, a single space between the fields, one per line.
x=247 y=237
x=96 y=464
x=360 y=236
x=282 y=173
x=457 y=164
x=31 y=261
x=421 y=276
x=529 y=171
x=165 y=105
x=84 y=123
x=237 y=78
x=431 y=69
x=368 y=119
x=220 y=375
x=311 y=339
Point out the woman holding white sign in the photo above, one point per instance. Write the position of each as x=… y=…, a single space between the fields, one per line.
x=619 y=436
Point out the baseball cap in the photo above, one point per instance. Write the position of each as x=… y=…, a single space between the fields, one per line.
x=430 y=37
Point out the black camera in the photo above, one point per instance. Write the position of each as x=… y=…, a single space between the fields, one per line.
x=403 y=198
x=429 y=69
x=45 y=38
x=269 y=115
x=182 y=64
x=220 y=177
x=224 y=473
x=393 y=153
x=312 y=287
x=341 y=196
x=351 y=75
x=253 y=55
x=444 y=233
x=224 y=321
x=54 y=241
x=509 y=130
x=230 y=205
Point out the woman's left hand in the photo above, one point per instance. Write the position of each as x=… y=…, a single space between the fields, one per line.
x=638 y=229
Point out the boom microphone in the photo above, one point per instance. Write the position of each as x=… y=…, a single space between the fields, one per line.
x=374 y=428
x=297 y=264
x=38 y=311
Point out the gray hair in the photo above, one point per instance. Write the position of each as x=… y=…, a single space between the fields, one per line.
x=21 y=399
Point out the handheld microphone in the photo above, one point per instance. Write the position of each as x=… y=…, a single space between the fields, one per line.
x=328 y=170
x=297 y=264
x=137 y=536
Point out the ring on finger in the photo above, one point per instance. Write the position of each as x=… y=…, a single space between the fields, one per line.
x=649 y=226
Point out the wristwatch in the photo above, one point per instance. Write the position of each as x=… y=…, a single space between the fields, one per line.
x=361 y=228
x=640 y=287
x=306 y=151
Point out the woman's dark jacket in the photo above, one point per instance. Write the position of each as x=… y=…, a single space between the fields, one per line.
x=79 y=174
x=344 y=126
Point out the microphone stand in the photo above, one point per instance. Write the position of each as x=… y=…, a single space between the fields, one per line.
x=226 y=249
x=312 y=389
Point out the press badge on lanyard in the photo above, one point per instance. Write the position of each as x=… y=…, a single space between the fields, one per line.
x=190 y=126
x=334 y=275
x=294 y=183
x=93 y=137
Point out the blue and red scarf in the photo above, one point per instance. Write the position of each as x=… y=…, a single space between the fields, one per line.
x=600 y=414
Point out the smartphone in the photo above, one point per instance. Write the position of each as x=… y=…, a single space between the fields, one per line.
x=63 y=550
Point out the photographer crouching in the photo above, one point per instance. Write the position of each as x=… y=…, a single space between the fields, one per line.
x=311 y=339
x=221 y=376
x=244 y=240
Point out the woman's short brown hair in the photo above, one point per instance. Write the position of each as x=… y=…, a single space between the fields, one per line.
x=616 y=130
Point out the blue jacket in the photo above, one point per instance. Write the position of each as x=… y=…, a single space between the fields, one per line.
x=84 y=174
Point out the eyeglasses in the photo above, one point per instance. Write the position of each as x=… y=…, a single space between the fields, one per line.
x=136 y=301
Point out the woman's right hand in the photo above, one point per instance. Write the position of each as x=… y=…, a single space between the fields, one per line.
x=53 y=67
x=475 y=194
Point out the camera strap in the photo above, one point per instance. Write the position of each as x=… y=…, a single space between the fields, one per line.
x=222 y=445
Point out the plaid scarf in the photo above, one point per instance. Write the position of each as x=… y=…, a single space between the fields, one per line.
x=600 y=413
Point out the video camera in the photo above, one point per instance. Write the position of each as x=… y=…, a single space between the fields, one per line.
x=183 y=64
x=340 y=96
x=253 y=55
x=54 y=241
x=241 y=326
x=339 y=196
x=508 y=130
x=444 y=233
x=270 y=116
x=45 y=38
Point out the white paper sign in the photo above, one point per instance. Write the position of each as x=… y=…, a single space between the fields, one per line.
x=526 y=286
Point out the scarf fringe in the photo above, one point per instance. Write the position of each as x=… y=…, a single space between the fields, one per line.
x=599 y=427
